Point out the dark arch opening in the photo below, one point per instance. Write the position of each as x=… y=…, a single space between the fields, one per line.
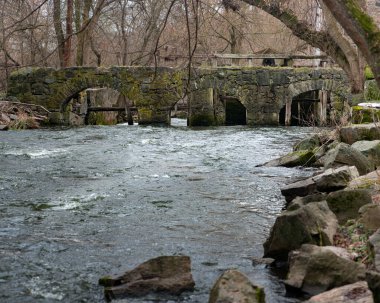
x=308 y=109
x=236 y=113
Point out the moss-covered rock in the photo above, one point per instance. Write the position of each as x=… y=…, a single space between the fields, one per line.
x=361 y=114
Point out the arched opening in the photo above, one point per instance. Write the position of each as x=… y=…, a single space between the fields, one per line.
x=236 y=113
x=310 y=108
x=97 y=106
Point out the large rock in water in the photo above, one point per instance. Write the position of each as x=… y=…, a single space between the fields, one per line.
x=352 y=293
x=312 y=223
x=344 y=154
x=235 y=287
x=309 y=143
x=371 y=149
x=330 y=180
x=296 y=158
x=168 y=274
x=360 y=132
x=315 y=269
x=345 y=204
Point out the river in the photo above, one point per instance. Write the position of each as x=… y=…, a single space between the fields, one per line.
x=80 y=203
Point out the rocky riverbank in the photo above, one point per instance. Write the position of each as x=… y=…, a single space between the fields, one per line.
x=329 y=233
x=17 y=115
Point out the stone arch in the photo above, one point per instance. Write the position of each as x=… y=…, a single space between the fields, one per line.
x=314 y=113
x=331 y=85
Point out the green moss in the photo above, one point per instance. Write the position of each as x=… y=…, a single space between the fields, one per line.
x=364 y=115
x=106 y=281
x=260 y=295
x=368 y=73
x=365 y=21
x=371 y=90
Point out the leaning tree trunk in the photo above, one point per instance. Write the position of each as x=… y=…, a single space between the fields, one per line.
x=323 y=40
x=361 y=28
x=349 y=48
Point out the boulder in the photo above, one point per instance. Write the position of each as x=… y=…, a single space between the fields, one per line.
x=370 y=216
x=315 y=269
x=374 y=244
x=293 y=159
x=360 y=132
x=3 y=127
x=352 y=293
x=302 y=201
x=371 y=149
x=330 y=180
x=345 y=204
x=234 y=287
x=168 y=274
x=344 y=154
x=309 y=143
x=312 y=223
x=335 y=178
x=299 y=189
x=373 y=280
x=368 y=181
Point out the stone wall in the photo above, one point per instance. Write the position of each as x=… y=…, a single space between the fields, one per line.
x=264 y=91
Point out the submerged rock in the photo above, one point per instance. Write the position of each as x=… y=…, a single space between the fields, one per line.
x=312 y=223
x=168 y=274
x=315 y=269
x=352 y=293
x=234 y=287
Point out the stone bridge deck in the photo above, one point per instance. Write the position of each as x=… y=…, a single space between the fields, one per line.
x=263 y=91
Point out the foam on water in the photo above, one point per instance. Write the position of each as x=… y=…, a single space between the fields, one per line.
x=38 y=154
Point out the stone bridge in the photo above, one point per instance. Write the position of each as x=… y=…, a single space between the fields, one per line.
x=257 y=95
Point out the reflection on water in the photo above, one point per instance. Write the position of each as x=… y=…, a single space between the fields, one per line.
x=81 y=203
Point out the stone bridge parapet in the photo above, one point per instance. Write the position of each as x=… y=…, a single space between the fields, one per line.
x=263 y=91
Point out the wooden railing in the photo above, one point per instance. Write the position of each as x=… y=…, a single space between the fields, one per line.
x=250 y=59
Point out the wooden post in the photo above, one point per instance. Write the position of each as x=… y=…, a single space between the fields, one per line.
x=288 y=112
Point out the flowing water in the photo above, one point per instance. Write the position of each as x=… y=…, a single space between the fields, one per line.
x=81 y=203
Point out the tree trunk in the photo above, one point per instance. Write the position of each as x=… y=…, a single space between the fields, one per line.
x=349 y=48
x=69 y=33
x=59 y=31
x=82 y=47
x=361 y=28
